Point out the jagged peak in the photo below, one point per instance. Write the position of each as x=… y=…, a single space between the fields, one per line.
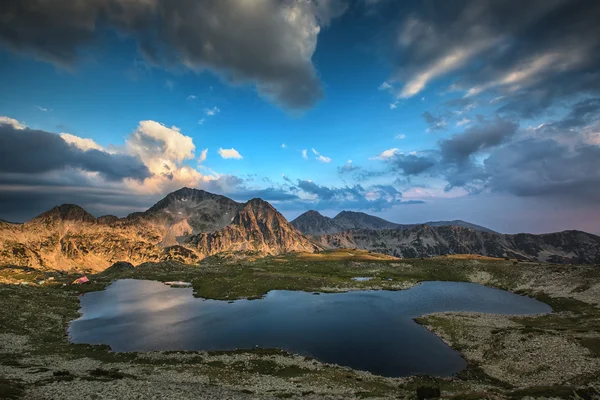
x=66 y=212
x=259 y=204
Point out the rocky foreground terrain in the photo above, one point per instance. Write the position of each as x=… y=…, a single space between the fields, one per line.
x=187 y=225
x=548 y=356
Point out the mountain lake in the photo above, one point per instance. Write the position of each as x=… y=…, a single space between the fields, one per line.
x=366 y=330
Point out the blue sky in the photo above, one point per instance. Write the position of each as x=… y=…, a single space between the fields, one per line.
x=446 y=111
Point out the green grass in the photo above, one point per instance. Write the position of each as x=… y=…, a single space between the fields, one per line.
x=45 y=311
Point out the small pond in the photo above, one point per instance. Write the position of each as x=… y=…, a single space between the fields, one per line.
x=366 y=330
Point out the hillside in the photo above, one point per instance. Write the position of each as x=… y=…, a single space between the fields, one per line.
x=427 y=241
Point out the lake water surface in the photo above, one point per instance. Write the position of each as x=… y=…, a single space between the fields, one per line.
x=366 y=330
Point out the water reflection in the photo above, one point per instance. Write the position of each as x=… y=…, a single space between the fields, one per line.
x=367 y=330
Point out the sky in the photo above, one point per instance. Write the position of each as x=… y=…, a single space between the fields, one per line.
x=481 y=110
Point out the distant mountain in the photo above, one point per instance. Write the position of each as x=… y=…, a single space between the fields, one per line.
x=456 y=222
x=189 y=224
x=425 y=241
x=358 y=220
x=186 y=225
x=313 y=223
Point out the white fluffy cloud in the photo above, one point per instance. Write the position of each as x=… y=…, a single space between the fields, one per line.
x=386 y=154
x=81 y=143
x=161 y=148
x=12 y=122
x=304 y=155
x=319 y=156
x=230 y=153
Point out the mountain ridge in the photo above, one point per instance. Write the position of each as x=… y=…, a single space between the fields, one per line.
x=68 y=237
x=190 y=224
x=570 y=246
x=314 y=223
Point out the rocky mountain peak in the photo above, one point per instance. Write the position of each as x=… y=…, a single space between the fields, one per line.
x=65 y=212
x=311 y=213
x=186 y=195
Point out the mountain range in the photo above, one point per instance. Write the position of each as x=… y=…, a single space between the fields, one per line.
x=313 y=223
x=186 y=226
x=189 y=225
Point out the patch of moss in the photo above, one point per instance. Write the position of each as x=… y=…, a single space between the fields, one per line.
x=10 y=389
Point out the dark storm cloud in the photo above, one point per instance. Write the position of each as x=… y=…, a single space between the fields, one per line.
x=559 y=159
x=546 y=168
x=23 y=200
x=31 y=151
x=268 y=43
x=534 y=53
x=413 y=164
x=585 y=112
x=458 y=148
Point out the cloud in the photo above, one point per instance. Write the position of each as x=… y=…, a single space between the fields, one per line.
x=385 y=86
x=526 y=57
x=229 y=153
x=304 y=155
x=386 y=154
x=319 y=156
x=41 y=108
x=434 y=123
x=544 y=167
x=487 y=134
x=400 y=136
x=202 y=156
x=376 y=197
x=201 y=121
x=81 y=143
x=28 y=151
x=212 y=111
x=283 y=146
x=412 y=164
x=464 y=121
x=12 y=122
x=266 y=43
x=161 y=148
x=348 y=167
x=191 y=97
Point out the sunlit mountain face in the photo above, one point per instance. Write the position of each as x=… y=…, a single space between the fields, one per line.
x=411 y=111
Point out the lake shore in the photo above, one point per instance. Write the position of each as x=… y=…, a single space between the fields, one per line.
x=509 y=357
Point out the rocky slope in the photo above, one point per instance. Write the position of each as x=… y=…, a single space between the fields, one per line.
x=256 y=227
x=313 y=223
x=426 y=241
x=187 y=225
